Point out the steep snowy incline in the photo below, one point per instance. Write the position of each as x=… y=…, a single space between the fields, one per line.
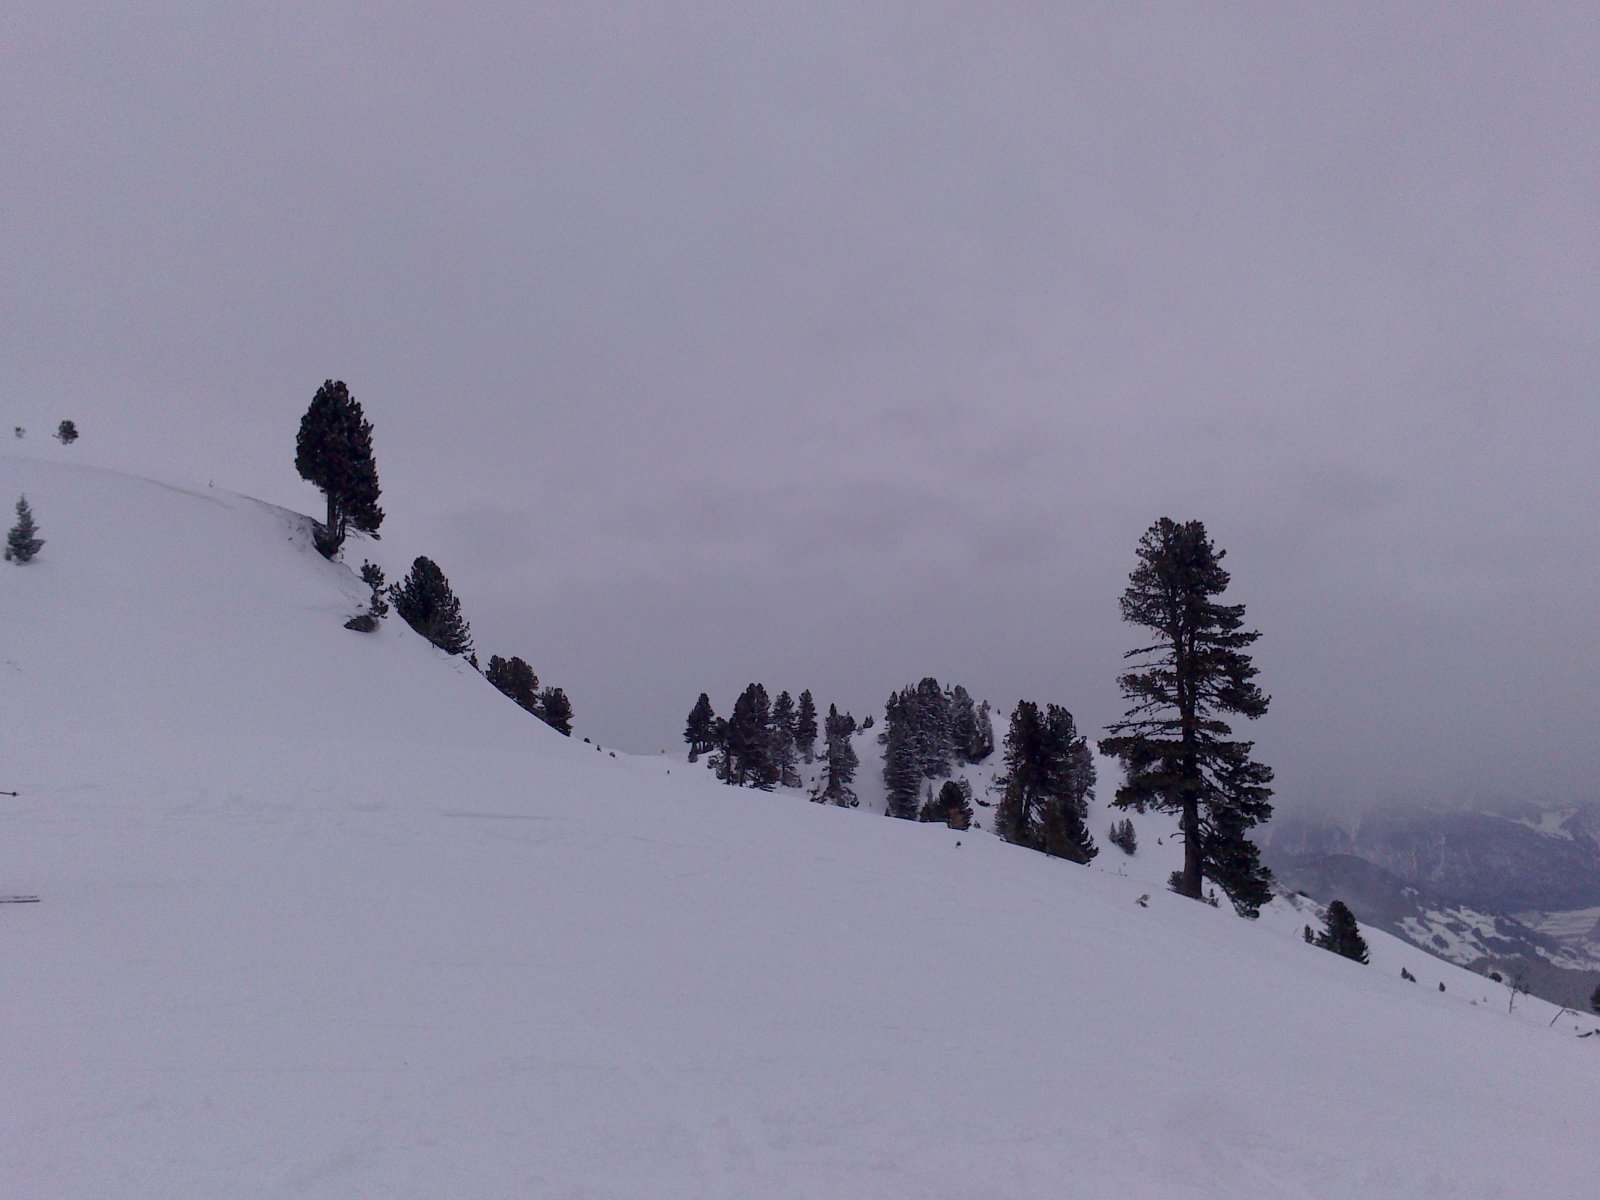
x=324 y=916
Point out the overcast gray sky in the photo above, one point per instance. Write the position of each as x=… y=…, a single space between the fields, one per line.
x=837 y=344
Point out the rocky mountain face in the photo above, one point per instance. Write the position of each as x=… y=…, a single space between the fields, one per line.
x=1515 y=890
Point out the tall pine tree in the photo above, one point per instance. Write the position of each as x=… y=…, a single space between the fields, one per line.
x=425 y=602
x=840 y=776
x=1173 y=741
x=1069 y=778
x=1046 y=784
x=805 y=726
x=700 y=731
x=334 y=452
x=785 y=758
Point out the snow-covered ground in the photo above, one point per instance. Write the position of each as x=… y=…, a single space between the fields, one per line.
x=323 y=915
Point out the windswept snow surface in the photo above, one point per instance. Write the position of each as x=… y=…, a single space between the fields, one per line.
x=324 y=916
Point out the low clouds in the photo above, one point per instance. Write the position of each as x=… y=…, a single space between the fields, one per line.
x=837 y=345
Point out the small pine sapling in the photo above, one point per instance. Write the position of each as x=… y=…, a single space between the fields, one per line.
x=66 y=433
x=21 y=544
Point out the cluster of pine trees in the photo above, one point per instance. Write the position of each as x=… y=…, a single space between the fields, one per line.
x=333 y=450
x=926 y=731
x=1174 y=741
x=1047 y=784
x=516 y=679
x=761 y=743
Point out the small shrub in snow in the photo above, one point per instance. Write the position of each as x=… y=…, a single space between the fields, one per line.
x=66 y=433
x=1407 y=975
x=21 y=544
x=1123 y=837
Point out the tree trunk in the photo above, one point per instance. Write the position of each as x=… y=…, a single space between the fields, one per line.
x=332 y=532
x=1189 y=884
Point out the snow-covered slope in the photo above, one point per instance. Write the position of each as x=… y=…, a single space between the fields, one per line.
x=323 y=915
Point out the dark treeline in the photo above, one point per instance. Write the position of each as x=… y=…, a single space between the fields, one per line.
x=761 y=743
x=927 y=730
x=1174 y=741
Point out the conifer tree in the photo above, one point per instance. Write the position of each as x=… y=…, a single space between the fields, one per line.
x=516 y=680
x=1126 y=838
x=334 y=452
x=842 y=761
x=1021 y=783
x=1341 y=934
x=747 y=750
x=1174 y=742
x=555 y=710
x=984 y=745
x=1069 y=779
x=21 y=544
x=952 y=806
x=700 y=730
x=805 y=726
x=66 y=433
x=1594 y=1001
x=902 y=776
x=785 y=758
x=426 y=603
x=372 y=576
x=1046 y=785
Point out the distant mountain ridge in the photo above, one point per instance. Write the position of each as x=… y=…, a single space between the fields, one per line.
x=1516 y=889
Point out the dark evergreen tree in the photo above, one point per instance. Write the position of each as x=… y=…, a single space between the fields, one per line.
x=372 y=576
x=840 y=776
x=426 y=603
x=700 y=730
x=1594 y=1000
x=1341 y=934
x=805 y=726
x=785 y=758
x=334 y=452
x=516 y=679
x=1174 y=743
x=747 y=746
x=66 y=433
x=952 y=806
x=555 y=710
x=983 y=739
x=1069 y=779
x=1046 y=784
x=1021 y=784
x=21 y=544
x=902 y=775
x=963 y=722
x=1123 y=836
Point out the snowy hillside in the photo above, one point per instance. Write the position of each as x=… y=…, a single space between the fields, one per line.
x=324 y=915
